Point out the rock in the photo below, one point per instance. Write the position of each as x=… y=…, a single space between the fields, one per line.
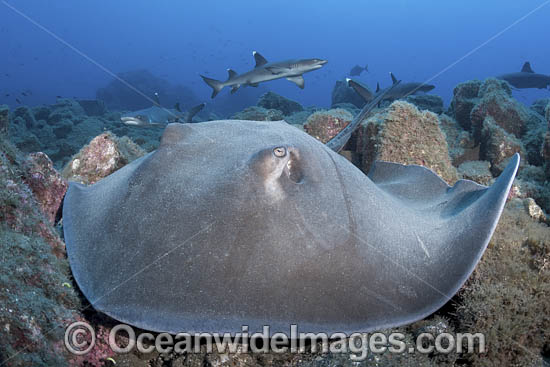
x=325 y=125
x=539 y=106
x=274 y=101
x=496 y=101
x=534 y=210
x=46 y=183
x=62 y=128
x=299 y=118
x=497 y=145
x=428 y=102
x=255 y=113
x=104 y=155
x=38 y=300
x=477 y=171
x=4 y=120
x=508 y=291
x=117 y=96
x=403 y=134
x=341 y=93
x=41 y=112
x=465 y=97
x=474 y=101
x=546 y=145
x=462 y=146
x=26 y=115
x=92 y=107
x=346 y=106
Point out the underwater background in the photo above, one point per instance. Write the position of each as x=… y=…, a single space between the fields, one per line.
x=71 y=71
x=441 y=42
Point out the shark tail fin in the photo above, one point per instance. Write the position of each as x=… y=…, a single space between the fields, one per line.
x=377 y=87
x=177 y=107
x=216 y=85
x=193 y=111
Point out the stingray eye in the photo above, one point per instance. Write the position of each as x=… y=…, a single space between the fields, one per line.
x=279 y=152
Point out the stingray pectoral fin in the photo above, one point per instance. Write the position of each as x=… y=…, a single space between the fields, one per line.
x=444 y=229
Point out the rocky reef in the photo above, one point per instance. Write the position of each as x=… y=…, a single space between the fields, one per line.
x=506 y=298
x=117 y=96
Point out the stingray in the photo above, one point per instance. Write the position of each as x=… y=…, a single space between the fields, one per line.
x=232 y=223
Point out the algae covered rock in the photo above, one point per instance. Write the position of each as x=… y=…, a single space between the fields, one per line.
x=497 y=145
x=325 y=125
x=506 y=298
x=46 y=183
x=274 y=101
x=477 y=171
x=256 y=113
x=37 y=299
x=403 y=134
x=428 y=102
x=4 y=120
x=465 y=97
x=104 y=155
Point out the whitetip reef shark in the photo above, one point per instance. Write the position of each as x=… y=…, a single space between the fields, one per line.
x=265 y=71
x=526 y=78
x=157 y=115
x=399 y=91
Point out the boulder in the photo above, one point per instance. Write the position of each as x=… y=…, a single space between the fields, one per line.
x=256 y=113
x=403 y=134
x=104 y=155
x=46 y=183
x=274 y=101
x=92 y=107
x=465 y=97
x=497 y=145
x=428 y=102
x=477 y=171
x=4 y=120
x=325 y=125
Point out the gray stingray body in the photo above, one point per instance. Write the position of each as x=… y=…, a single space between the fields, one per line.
x=232 y=223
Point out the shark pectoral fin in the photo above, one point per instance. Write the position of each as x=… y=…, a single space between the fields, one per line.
x=260 y=60
x=235 y=88
x=527 y=68
x=254 y=84
x=298 y=80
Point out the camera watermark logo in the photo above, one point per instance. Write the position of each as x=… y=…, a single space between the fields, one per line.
x=79 y=338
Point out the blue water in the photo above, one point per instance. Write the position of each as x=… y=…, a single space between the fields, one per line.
x=178 y=40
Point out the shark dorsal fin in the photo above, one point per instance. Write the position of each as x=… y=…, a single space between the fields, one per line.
x=527 y=68
x=232 y=73
x=177 y=107
x=377 y=87
x=157 y=100
x=393 y=78
x=260 y=60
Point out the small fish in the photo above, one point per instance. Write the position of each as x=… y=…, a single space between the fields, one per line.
x=17 y=100
x=58 y=97
x=24 y=94
x=6 y=95
x=357 y=70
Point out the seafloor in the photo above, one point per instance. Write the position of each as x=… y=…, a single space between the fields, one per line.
x=506 y=298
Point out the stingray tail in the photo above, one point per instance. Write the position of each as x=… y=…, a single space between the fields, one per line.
x=216 y=85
